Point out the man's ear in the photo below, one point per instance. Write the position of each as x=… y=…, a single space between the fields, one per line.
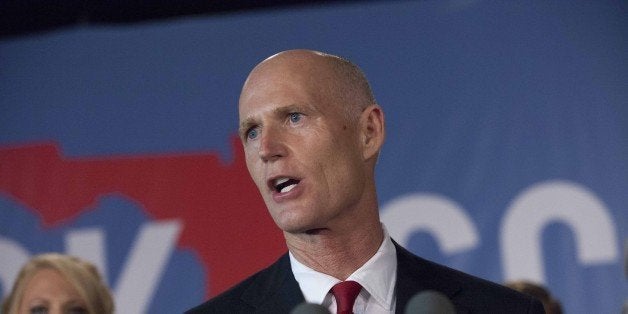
x=372 y=130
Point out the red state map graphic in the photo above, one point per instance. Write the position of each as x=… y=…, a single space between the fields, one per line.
x=225 y=220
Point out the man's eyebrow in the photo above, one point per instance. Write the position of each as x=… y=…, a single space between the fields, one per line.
x=249 y=122
x=245 y=125
x=283 y=111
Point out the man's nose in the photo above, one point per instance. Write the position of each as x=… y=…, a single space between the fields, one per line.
x=271 y=144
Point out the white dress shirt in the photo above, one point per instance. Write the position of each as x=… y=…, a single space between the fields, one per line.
x=377 y=277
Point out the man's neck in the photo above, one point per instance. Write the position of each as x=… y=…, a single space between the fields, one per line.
x=336 y=253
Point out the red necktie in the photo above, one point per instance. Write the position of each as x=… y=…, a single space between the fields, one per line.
x=345 y=293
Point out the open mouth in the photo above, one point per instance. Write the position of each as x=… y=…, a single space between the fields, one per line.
x=284 y=185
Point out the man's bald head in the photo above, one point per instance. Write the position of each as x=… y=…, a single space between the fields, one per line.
x=331 y=77
x=311 y=134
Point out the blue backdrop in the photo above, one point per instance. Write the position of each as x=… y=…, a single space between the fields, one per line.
x=507 y=146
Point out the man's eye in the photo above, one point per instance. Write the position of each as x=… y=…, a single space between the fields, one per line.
x=252 y=133
x=38 y=310
x=295 y=117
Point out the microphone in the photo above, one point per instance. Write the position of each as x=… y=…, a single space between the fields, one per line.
x=309 y=308
x=429 y=302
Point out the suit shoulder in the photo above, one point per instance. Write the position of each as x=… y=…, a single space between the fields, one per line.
x=238 y=298
x=226 y=302
x=467 y=291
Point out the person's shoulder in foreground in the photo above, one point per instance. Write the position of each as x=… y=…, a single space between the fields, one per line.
x=272 y=290
x=469 y=294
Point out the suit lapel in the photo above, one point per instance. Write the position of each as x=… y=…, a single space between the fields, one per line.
x=277 y=291
x=415 y=274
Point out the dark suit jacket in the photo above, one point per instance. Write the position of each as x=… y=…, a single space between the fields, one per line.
x=274 y=290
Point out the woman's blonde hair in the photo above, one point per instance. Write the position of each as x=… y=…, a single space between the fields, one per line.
x=82 y=275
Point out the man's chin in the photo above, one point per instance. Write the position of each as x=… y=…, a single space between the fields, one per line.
x=305 y=230
x=293 y=229
x=295 y=221
x=292 y=226
x=316 y=231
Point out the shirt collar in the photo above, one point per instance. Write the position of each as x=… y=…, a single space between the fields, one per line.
x=377 y=276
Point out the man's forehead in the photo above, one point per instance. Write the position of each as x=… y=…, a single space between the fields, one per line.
x=274 y=109
x=294 y=63
x=279 y=82
x=298 y=76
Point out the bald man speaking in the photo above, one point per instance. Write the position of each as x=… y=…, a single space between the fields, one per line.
x=312 y=132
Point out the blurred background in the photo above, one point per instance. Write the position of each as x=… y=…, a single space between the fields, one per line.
x=506 y=154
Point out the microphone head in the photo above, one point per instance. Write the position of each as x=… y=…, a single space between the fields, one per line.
x=309 y=308
x=429 y=302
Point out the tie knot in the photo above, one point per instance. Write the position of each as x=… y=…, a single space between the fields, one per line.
x=345 y=293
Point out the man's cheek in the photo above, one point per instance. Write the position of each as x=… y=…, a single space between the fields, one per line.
x=250 y=166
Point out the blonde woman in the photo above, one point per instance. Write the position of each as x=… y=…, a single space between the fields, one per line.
x=54 y=283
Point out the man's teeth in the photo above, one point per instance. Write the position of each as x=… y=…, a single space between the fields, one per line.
x=281 y=181
x=285 y=185
x=288 y=188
